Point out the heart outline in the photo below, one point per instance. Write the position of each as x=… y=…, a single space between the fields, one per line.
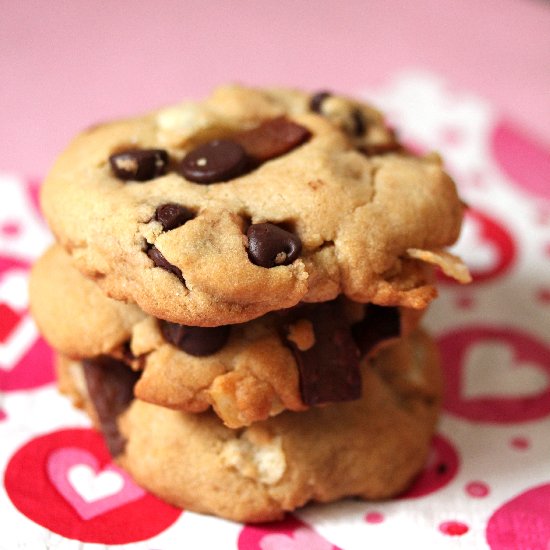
x=453 y=346
x=509 y=375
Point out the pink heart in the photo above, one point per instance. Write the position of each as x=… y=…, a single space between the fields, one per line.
x=91 y=491
x=525 y=161
x=2 y=415
x=491 y=369
x=301 y=538
x=520 y=394
x=288 y=534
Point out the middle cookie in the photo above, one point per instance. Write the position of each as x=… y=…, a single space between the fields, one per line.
x=291 y=359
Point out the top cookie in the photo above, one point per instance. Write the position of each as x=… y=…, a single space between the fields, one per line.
x=217 y=212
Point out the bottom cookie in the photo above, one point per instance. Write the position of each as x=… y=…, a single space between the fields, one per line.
x=371 y=448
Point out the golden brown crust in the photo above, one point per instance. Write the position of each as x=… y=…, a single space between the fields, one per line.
x=254 y=376
x=73 y=313
x=370 y=448
x=356 y=215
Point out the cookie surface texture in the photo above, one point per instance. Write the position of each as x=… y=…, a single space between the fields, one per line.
x=371 y=448
x=251 y=374
x=218 y=212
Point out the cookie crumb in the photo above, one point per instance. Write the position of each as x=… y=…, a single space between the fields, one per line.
x=450 y=264
x=302 y=334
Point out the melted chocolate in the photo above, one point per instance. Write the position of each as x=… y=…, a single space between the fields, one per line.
x=110 y=385
x=380 y=323
x=329 y=370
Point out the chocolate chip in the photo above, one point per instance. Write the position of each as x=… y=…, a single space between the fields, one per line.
x=317 y=100
x=270 y=246
x=110 y=384
x=198 y=341
x=359 y=123
x=160 y=261
x=172 y=215
x=215 y=161
x=379 y=323
x=328 y=370
x=272 y=138
x=139 y=164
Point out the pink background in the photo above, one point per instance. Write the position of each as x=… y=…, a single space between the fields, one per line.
x=66 y=64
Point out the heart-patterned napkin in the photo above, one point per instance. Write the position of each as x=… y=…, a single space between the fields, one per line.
x=486 y=484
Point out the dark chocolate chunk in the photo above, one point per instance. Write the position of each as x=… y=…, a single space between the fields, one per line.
x=380 y=323
x=198 y=341
x=329 y=370
x=110 y=385
x=215 y=161
x=317 y=100
x=139 y=164
x=173 y=215
x=272 y=139
x=359 y=123
x=160 y=261
x=270 y=246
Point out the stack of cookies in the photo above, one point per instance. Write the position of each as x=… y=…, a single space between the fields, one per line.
x=235 y=294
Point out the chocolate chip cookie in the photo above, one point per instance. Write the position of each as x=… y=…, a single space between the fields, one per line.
x=291 y=359
x=369 y=448
x=215 y=213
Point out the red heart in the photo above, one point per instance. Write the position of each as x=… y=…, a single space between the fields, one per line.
x=30 y=488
